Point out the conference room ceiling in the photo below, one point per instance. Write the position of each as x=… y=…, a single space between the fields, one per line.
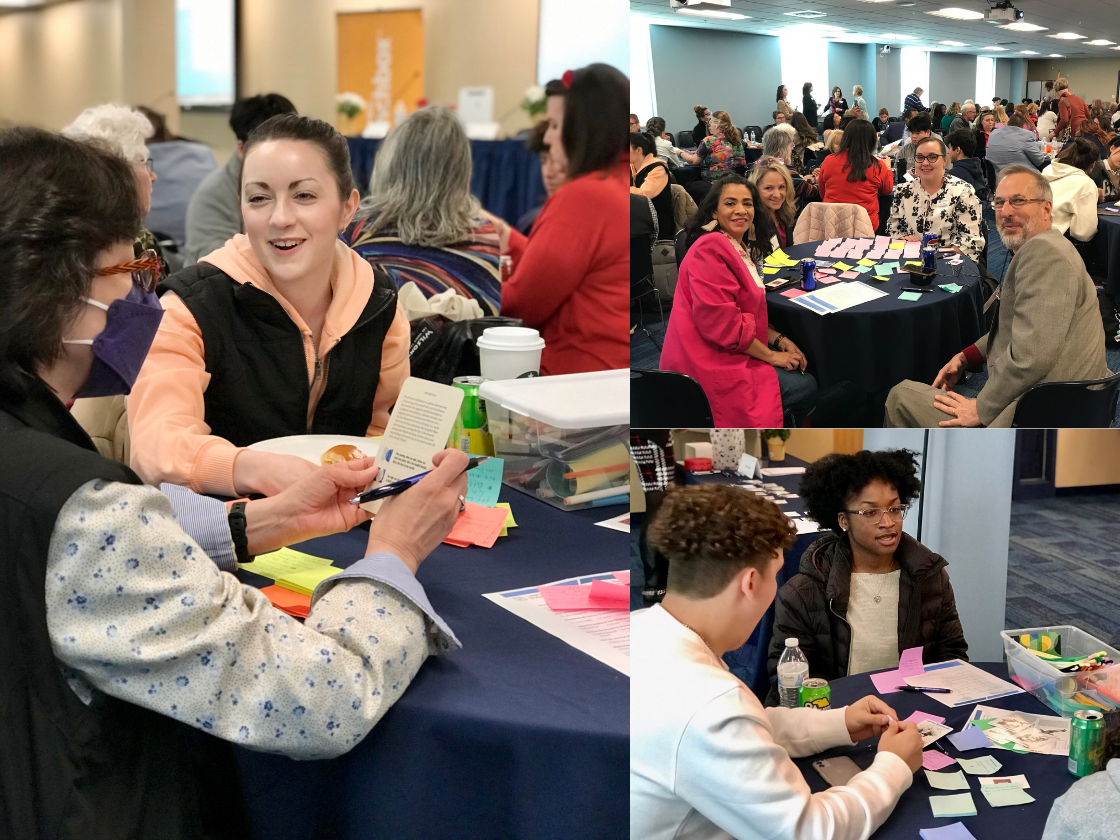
x=882 y=22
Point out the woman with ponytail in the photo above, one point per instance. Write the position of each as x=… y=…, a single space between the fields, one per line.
x=721 y=151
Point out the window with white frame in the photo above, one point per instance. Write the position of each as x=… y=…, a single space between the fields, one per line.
x=804 y=59
x=985 y=79
x=643 y=96
x=914 y=72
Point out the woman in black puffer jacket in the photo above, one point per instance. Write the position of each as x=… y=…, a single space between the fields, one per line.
x=868 y=591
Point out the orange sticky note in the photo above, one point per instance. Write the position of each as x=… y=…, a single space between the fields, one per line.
x=603 y=591
x=477 y=525
x=578 y=597
x=293 y=603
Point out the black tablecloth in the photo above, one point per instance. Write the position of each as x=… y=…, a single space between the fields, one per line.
x=748 y=663
x=516 y=735
x=1046 y=774
x=1104 y=249
x=878 y=344
x=686 y=173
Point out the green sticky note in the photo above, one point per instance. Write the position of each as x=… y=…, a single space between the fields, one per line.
x=866 y=261
x=1000 y=796
x=984 y=724
x=771 y=269
x=910 y=296
x=894 y=246
x=305 y=582
x=842 y=266
x=951 y=287
x=985 y=765
x=484 y=482
x=957 y=805
x=509 y=520
x=947 y=781
x=862 y=269
x=888 y=267
x=284 y=561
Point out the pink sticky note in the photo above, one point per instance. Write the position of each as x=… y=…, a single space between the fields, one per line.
x=881 y=242
x=886 y=682
x=823 y=252
x=601 y=590
x=876 y=254
x=918 y=717
x=910 y=662
x=826 y=271
x=622 y=576
x=792 y=293
x=578 y=597
x=828 y=279
x=850 y=275
x=935 y=760
x=912 y=250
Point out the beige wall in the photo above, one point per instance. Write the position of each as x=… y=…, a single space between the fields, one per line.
x=1089 y=78
x=811 y=444
x=1087 y=457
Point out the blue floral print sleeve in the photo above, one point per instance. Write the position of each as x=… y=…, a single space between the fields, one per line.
x=138 y=611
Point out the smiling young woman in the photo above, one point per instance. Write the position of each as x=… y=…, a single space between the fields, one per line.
x=282 y=331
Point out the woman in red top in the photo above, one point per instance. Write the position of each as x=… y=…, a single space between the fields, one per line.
x=571 y=275
x=854 y=175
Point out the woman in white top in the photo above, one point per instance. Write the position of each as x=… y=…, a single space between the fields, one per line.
x=706 y=760
x=655 y=127
x=1075 y=193
x=936 y=202
x=859 y=102
x=1047 y=119
x=868 y=591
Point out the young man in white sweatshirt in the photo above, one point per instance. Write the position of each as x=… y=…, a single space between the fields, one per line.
x=706 y=759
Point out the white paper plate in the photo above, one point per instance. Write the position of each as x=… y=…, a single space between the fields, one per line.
x=312 y=447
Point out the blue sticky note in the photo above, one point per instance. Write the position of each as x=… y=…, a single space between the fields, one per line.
x=956 y=831
x=485 y=481
x=970 y=739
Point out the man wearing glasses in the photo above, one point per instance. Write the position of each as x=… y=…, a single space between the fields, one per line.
x=1047 y=326
x=867 y=591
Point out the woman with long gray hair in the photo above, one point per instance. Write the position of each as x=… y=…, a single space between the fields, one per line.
x=420 y=222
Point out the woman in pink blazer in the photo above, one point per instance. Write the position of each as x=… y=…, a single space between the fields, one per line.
x=718 y=330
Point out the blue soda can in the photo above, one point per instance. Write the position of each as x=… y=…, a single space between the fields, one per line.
x=929 y=238
x=808 y=275
x=929 y=259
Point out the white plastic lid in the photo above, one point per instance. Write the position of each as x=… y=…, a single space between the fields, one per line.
x=568 y=401
x=510 y=338
x=791 y=642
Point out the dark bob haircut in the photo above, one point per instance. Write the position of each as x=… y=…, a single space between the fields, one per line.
x=829 y=484
x=643 y=142
x=712 y=532
x=251 y=111
x=593 y=107
x=64 y=202
x=319 y=133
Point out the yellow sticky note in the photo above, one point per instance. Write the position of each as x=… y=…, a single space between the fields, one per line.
x=771 y=269
x=305 y=582
x=897 y=245
x=509 y=520
x=842 y=266
x=866 y=261
x=283 y=562
x=780 y=254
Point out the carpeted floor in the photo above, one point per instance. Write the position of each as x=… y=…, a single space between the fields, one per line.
x=645 y=350
x=1063 y=566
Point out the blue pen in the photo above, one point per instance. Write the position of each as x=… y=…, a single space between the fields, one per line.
x=610 y=500
x=402 y=485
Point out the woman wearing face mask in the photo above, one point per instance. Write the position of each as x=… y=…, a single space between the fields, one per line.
x=123 y=647
x=282 y=331
x=868 y=591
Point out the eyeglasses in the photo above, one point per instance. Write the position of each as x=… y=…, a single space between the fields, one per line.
x=898 y=512
x=148 y=164
x=144 y=270
x=1016 y=202
x=926 y=158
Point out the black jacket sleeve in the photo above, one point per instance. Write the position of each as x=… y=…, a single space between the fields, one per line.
x=951 y=643
x=791 y=618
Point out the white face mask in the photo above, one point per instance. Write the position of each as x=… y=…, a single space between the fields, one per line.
x=91 y=302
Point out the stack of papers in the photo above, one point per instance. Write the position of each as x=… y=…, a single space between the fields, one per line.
x=479 y=525
x=296 y=575
x=304 y=582
x=839 y=297
x=1021 y=731
x=967 y=684
x=958 y=805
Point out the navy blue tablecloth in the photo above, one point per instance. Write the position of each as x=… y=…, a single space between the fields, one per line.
x=506 y=176
x=1046 y=774
x=878 y=344
x=516 y=735
x=1103 y=250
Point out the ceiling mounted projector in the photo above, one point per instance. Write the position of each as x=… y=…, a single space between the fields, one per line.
x=702 y=5
x=1004 y=11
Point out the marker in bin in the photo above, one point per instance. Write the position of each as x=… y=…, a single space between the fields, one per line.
x=402 y=485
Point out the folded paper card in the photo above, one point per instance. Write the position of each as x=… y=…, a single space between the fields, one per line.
x=918 y=717
x=603 y=591
x=622 y=576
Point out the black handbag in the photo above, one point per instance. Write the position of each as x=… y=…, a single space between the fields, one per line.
x=442 y=350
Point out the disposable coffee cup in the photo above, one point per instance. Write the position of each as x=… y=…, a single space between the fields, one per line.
x=510 y=352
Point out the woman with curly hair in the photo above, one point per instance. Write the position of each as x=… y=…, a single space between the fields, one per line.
x=1088 y=810
x=868 y=591
x=703 y=751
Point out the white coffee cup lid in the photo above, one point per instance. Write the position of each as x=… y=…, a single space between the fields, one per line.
x=510 y=338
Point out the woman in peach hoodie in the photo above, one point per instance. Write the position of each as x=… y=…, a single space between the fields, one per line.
x=282 y=331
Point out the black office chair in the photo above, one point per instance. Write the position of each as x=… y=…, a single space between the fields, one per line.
x=681 y=241
x=757 y=129
x=1069 y=405
x=685 y=141
x=894 y=119
x=665 y=399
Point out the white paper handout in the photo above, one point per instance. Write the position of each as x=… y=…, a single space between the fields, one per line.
x=774 y=471
x=838 y=297
x=967 y=683
x=1047 y=734
x=617 y=523
x=601 y=634
x=418 y=428
x=806 y=526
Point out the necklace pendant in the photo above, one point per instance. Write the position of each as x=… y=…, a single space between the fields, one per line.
x=878 y=598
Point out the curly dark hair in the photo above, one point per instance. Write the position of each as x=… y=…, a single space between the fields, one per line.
x=710 y=533
x=64 y=203
x=1111 y=744
x=829 y=483
x=757 y=241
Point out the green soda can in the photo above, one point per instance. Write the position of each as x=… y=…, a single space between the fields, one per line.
x=472 y=413
x=815 y=694
x=1086 y=741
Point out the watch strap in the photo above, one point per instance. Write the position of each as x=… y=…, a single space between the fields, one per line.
x=237 y=527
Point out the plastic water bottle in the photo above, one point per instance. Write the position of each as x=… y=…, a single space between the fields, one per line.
x=793 y=668
x=752 y=136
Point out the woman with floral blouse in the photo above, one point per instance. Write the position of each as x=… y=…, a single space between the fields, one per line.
x=720 y=151
x=937 y=203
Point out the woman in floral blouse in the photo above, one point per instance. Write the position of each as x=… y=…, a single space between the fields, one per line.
x=937 y=203
x=720 y=151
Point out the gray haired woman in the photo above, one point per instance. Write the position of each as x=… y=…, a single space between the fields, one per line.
x=420 y=222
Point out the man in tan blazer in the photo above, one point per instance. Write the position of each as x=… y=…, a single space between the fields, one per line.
x=1048 y=328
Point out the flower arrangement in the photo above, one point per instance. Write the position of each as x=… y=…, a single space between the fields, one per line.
x=534 y=102
x=349 y=104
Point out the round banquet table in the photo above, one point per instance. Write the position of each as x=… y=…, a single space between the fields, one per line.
x=1046 y=774
x=516 y=735
x=1103 y=250
x=877 y=344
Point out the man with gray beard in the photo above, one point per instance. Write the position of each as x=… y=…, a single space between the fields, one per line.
x=1048 y=327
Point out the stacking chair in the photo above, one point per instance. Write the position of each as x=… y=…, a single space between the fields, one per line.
x=665 y=399
x=1071 y=405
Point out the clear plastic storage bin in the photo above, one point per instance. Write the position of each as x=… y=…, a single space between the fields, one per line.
x=1064 y=693
x=563 y=438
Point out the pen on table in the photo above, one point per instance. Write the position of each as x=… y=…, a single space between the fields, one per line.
x=402 y=485
x=924 y=689
x=907 y=289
